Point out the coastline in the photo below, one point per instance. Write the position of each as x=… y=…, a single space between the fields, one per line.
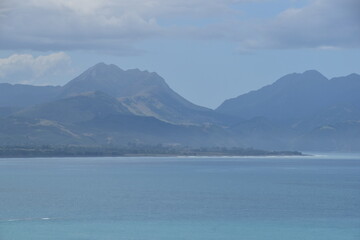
x=142 y=151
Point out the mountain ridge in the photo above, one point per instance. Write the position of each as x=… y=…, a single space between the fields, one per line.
x=142 y=92
x=293 y=96
x=108 y=105
x=296 y=110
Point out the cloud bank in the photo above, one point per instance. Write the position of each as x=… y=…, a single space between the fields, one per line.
x=117 y=25
x=324 y=24
x=27 y=69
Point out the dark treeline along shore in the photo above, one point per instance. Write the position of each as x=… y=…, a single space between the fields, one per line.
x=105 y=108
x=134 y=150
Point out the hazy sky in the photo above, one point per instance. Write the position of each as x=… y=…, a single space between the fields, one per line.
x=207 y=50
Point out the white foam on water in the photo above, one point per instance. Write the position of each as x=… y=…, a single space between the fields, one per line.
x=26 y=219
x=13 y=220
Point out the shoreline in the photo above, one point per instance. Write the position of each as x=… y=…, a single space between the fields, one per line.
x=152 y=155
x=141 y=151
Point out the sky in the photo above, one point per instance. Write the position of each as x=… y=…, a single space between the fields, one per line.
x=206 y=50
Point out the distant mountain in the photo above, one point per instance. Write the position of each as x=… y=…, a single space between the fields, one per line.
x=297 y=97
x=114 y=81
x=95 y=118
x=142 y=92
x=299 y=109
x=106 y=105
x=19 y=95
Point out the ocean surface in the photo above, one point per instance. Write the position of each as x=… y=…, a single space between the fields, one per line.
x=295 y=198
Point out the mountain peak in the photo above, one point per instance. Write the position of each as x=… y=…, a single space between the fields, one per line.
x=102 y=68
x=307 y=77
x=100 y=64
x=313 y=73
x=115 y=81
x=144 y=92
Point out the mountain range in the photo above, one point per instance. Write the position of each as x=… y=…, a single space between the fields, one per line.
x=106 y=105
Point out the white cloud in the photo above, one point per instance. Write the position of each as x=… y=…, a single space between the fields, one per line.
x=324 y=24
x=110 y=25
x=40 y=70
x=63 y=24
x=117 y=25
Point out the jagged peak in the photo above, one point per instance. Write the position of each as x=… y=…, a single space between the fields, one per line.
x=101 y=66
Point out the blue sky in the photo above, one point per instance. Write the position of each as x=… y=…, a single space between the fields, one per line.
x=207 y=50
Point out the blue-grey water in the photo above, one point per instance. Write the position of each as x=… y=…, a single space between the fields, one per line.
x=298 y=198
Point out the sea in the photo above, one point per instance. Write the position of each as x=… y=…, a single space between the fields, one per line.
x=181 y=198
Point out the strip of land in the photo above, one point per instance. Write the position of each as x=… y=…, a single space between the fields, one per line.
x=158 y=150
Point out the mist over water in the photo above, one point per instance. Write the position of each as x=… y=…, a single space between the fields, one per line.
x=180 y=198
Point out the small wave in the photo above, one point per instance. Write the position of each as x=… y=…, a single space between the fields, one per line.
x=27 y=219
x=13 y=220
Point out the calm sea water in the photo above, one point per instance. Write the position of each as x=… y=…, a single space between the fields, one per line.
x=304 y=198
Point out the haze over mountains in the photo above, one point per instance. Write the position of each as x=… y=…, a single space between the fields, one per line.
x=107 y=105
